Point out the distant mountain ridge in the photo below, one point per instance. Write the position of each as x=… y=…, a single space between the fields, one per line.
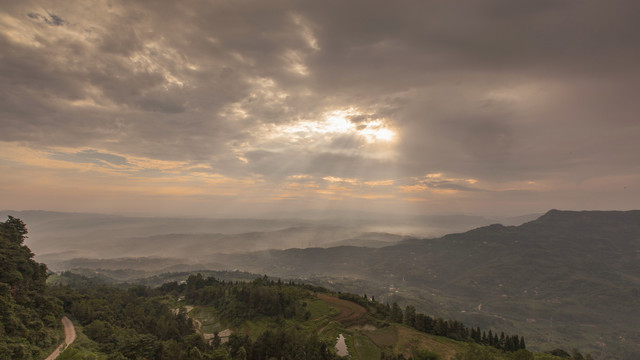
x=579 y=268
x=59 y=236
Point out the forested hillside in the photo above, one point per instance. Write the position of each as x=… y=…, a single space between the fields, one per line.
x=29 y=316
x=264 y=319
x=567 y=277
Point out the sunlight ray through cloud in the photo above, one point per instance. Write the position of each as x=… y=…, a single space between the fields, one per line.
x=324 y=101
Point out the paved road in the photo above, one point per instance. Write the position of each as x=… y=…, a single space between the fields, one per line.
x=69 y=337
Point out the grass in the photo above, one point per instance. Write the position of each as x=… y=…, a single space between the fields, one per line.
x=254 y=328
x=206 y=315
x=365 y=348
x=387 y=336
x=320 y=309
x=348 y=311
x=408 y=339
x=404 y=340
x=331 y=316
x=546 y=357
x=321 y=314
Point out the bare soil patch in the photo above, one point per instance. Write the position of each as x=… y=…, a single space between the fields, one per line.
x=349 y=311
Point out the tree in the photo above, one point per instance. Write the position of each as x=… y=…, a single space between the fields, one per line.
x=216 y=341
x=425 y=355
x=410 y=315
x=27 y=311
x=575 y=355
x=396 y=313
x=220 y=354
x=560 y=353
x=195 y=354
x=476 y=352
x=241 y=354
x=522 y=355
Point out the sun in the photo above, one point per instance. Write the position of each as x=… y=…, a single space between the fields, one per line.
x=342 y=132
x=341 y=122
x=356 y=123
x=378 y=131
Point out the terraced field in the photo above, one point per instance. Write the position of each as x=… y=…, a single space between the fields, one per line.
x=349 y=311
x=332 y=316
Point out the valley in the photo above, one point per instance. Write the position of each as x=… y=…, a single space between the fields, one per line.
x=567 y=277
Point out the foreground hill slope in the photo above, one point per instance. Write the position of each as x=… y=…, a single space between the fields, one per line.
x=29 y=317
x=565 y=277
x=207 y=318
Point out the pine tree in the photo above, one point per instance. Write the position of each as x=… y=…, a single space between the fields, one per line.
x=396 y=313
x=478 y=335
x=410 y=316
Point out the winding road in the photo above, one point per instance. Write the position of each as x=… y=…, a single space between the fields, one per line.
x=69 y=337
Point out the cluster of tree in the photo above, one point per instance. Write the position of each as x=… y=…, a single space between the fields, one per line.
x=137 y=323
x=236 y=302
x=575 y=354
x=130 y=323
x=437 y=326
x=455 y=330
x=29 y=316
x=276 y=344
x=477 y=352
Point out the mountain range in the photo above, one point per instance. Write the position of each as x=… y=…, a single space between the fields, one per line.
x=567 y=277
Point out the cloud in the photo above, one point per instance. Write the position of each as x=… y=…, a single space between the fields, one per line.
x=439 y=183
x=91 y=156
x=51 y=19
x=335 y=179
x=494 y=91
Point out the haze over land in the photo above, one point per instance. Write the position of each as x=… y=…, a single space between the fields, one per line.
x=56 y=236
x=564 y=278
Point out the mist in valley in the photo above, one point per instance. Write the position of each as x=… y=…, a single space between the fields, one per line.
x=57 y=237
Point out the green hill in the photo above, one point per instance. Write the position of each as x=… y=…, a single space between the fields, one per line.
x=29 y=317
x=567 y=277
x=265 y=319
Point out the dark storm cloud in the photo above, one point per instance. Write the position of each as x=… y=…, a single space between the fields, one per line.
x=494 y=90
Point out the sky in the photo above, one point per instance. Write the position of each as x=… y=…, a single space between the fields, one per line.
x=257 y=108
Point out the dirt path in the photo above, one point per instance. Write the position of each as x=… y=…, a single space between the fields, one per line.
x=348 y=311
x=69 y=337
